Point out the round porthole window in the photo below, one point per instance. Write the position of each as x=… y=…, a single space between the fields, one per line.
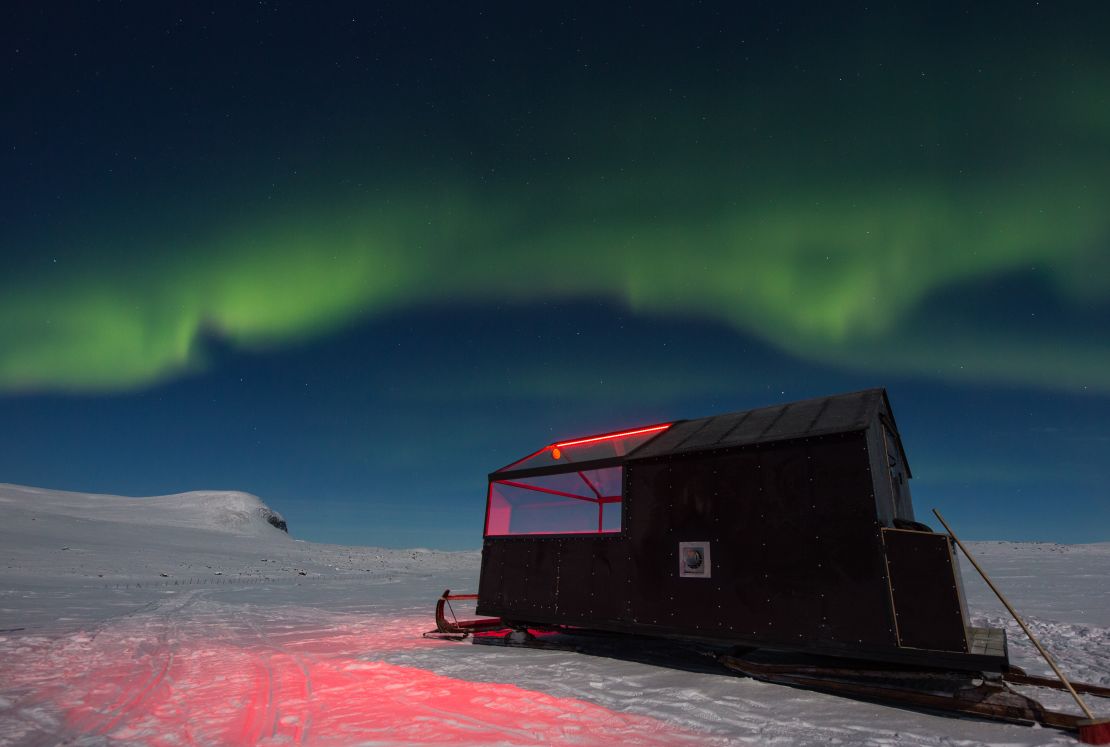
x=693 y=559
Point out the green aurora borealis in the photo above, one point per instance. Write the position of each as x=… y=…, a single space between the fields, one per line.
x=837 y=278
x=817 y=209
x=919 y=194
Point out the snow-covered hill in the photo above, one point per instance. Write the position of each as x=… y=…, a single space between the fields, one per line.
x=59 y=548
x=190 y=619
x=209 y=510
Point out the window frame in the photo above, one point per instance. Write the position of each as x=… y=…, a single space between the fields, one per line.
x=512 y=476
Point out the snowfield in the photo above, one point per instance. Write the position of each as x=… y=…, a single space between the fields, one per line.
x=192 y=620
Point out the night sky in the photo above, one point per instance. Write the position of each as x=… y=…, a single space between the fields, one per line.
x=353 y=257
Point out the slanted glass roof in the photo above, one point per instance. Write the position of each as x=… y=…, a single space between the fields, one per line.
x=589 y=448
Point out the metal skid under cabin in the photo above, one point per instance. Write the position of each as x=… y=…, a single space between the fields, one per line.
x=787 y=527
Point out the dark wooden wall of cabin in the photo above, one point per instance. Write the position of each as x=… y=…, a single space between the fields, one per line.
x=571 y=580
x=795 y=547
x=796 y=552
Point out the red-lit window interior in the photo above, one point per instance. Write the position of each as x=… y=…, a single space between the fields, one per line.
x=577 y=502
x=589 y=448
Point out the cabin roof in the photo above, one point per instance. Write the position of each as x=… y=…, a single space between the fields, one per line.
x=840 y=413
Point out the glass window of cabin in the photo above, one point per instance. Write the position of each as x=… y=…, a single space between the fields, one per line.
x=579 y=502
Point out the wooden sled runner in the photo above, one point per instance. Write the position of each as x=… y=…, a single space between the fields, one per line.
x=961 y=693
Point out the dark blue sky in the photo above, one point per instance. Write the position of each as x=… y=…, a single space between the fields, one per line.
x=351 y=259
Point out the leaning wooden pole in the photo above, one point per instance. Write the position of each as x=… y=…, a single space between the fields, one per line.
x=1028 y=632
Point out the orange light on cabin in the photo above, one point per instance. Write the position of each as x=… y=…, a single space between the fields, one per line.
x=556 y=453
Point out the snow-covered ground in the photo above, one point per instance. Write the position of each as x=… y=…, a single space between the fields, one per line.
x=190 y=619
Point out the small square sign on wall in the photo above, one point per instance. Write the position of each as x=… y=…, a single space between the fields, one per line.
x=693 y=560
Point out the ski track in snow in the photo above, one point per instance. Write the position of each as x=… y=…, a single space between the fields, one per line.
x=190 y=671
x=252 y=638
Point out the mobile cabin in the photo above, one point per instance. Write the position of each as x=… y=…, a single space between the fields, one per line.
x=785 y=527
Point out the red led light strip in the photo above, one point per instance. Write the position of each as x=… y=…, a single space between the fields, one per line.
x=610 y=436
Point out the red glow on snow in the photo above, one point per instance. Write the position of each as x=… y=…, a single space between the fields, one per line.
x=208 y=681
x=611 y=436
